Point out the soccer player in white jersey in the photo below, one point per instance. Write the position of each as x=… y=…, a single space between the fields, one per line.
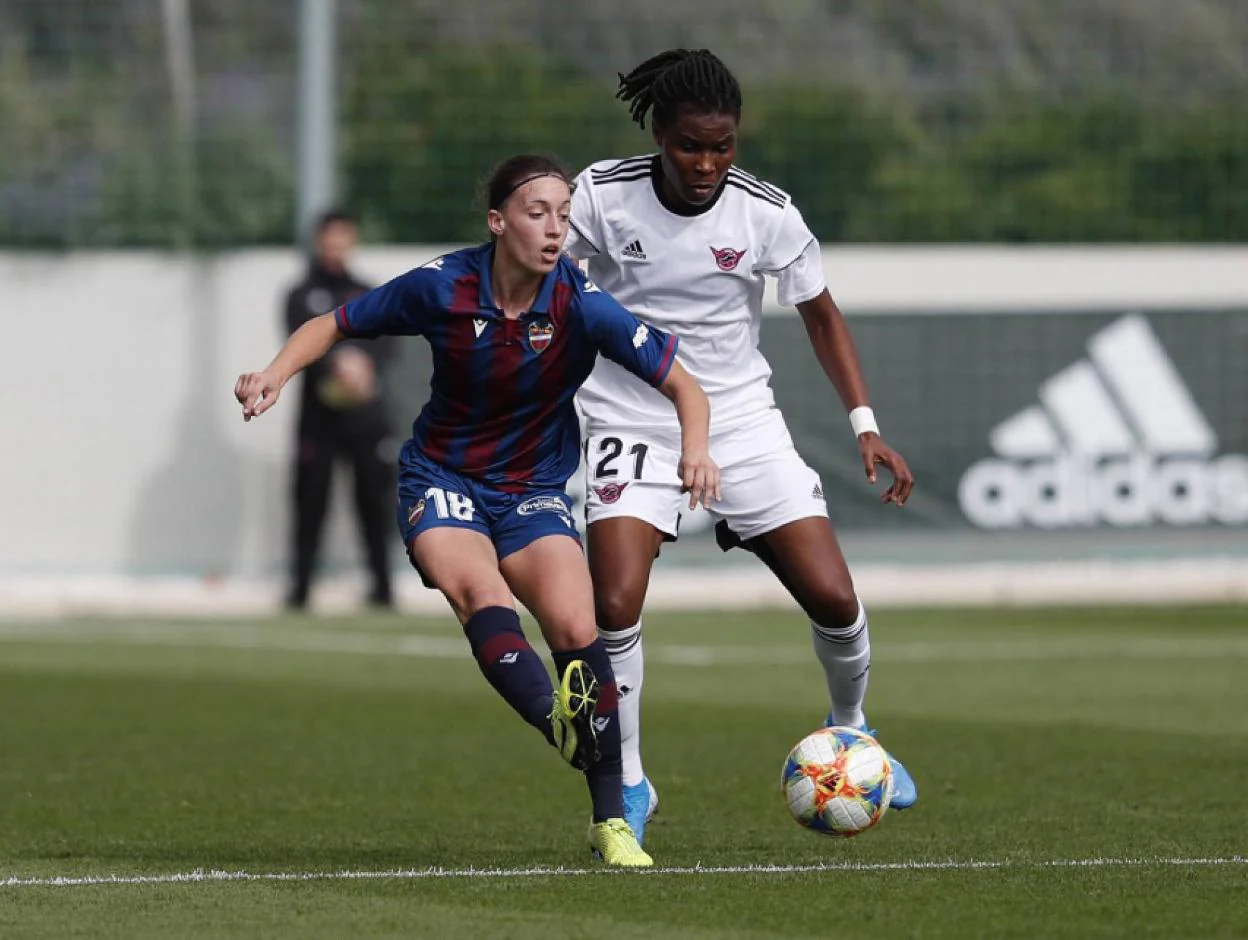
x=685 y=239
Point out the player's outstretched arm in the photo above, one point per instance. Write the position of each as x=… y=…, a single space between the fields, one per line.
x=257 y=392
x=698 y=472
x=834 y=347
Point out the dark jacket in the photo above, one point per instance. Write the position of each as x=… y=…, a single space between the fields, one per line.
x=319 y=292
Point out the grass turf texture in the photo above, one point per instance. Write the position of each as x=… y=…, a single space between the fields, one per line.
x=305 y=746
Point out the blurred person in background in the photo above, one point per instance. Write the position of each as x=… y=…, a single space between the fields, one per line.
x=686 y=240
x=343 y=416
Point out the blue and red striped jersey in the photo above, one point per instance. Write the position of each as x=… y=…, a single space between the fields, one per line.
x=501 y=409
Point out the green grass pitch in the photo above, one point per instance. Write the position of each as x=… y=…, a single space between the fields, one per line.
x=1081 y=775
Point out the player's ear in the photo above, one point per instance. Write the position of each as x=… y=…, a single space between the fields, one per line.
x=657 y=133
x=494 y=219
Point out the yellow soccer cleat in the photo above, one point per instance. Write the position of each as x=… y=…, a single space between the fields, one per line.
x=613 y=843
x=572 y=715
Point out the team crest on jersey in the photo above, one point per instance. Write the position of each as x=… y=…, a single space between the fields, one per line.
x=610 y=492
x=728 y=258
x=418 y=510
x=540 y=335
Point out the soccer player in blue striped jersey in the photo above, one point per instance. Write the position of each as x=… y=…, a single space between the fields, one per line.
x=515 y=329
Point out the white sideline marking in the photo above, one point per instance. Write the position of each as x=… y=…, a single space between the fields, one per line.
x=262 y=637
x=201 y=875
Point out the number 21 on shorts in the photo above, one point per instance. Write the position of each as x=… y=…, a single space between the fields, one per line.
x=613 y=455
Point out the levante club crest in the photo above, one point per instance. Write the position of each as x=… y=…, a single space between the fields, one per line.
x=540 y=336
x=414 y=514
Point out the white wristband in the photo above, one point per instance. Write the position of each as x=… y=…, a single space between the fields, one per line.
x=862 y=420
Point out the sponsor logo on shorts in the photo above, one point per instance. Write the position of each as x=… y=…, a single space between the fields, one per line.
x=542 y=504
x=610 y=492
x=418 y=510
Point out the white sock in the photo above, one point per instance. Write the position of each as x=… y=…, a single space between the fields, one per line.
x=624 y=648
x=845 y=653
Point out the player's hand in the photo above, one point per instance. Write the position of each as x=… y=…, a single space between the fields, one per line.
x=356 y=373
x=875 y=452
x=699 y=477
x=257 y=392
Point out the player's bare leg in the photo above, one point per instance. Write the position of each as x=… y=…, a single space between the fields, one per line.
x=462 y=564
x=807 y=558
x=622 y=550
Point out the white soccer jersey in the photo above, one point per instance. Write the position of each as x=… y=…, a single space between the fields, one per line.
x=699 y=276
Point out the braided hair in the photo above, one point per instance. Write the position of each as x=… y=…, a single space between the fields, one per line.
x=679 y=78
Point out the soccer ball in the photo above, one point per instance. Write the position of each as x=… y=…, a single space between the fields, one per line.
x=838 y=781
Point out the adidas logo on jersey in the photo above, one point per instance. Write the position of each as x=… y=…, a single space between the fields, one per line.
x=817 y=492
x=634 y=250
x=1116 y=438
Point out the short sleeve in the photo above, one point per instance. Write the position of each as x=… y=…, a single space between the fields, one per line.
x=401 y=307
x=585 y=235
x=794 y=258
x=642 y=349
x=802 y=280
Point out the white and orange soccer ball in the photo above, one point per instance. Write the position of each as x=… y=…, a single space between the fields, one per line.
x=838 y=781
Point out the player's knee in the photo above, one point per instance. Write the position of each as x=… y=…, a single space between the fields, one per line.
x=833 y=604
x=569 y=634
x=468 y=596
x=617 y=607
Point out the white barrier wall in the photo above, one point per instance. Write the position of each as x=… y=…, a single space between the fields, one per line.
x=124 y=453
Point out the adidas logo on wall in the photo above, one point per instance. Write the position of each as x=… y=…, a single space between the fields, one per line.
x=634 y=250
x=1116 y=439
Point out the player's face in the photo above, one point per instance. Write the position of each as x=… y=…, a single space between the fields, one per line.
x=696 y=151
x=334 y=246
x=532 y=224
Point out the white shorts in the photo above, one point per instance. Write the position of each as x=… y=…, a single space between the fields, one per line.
x=765 y=482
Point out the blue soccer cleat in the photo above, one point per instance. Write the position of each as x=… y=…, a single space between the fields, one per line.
x=905 y=793
x=641 y=802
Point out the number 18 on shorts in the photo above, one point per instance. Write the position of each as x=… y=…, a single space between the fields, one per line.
x=431 y=496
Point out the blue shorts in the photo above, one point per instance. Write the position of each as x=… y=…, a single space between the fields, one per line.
x=430 y=495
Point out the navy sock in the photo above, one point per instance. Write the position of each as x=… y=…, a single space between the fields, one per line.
x=606 y=777
x=510 y=664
